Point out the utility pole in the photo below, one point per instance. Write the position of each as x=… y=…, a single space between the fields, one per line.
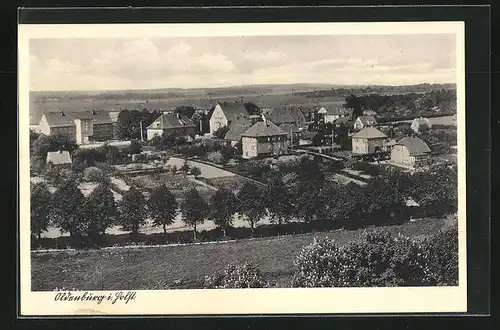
x=140 y=124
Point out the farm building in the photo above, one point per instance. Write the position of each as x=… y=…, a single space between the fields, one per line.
x=292 y=131
x=264 y=138
x=224 y=113
x=410 y=152
x=420 y=124
x=330 y=114
x=171 y=125
x=364 y=121
x=368 y=141
x=83 y=127
x=58 y=158
x=236 y=129
x=307 y=138
x=287 y=115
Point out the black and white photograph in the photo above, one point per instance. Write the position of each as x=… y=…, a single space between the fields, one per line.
x=280 y=161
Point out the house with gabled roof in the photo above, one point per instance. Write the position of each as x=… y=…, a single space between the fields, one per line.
x=264 y=138
x=224 y=113
x=292 y=131
x=331 y=113
x=236 y=129
x=81 y=126
x=60 y=158
x=420 y=124
x=364 y=121
x=410 y=152
x=171 y=124
x=368 y=141
x=286 y=115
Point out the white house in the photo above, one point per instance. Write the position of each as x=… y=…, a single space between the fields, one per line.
x=330 y=114
x=364 y=121
x=419 y=124
x=410 y=152
x=224 y=113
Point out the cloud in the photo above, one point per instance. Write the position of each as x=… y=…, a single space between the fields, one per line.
x=266 y=57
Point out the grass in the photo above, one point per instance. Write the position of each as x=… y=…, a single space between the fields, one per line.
x=185 y=266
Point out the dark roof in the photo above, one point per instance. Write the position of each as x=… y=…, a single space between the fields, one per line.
x=289 y=128
x=58 y=157
x=233 y=110
x=414 y=145
x=286 y=115
x=261 y=128
x=171 y=121
x=55 y=119
x=367 y=120
x=309 y=135
x=369 y=133
x=237 y=128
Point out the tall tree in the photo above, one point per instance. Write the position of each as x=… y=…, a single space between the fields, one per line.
x=194 y=209
x=101 y=211
x=277 y=200
x=353 y=102
x=163 y=208
x=67 y=210
x=133 y=211
x=222 y=208
x=40 y=205
x=250 y=204
x=123 y=125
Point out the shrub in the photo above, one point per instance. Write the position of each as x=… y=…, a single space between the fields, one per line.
x=379 y=259
x=215 y=157
x=366 y=167
x=95 y=174
x=236 y=276
x=195 y=171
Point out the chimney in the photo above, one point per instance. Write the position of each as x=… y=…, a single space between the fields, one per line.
x=62 y=113
x=264 y=119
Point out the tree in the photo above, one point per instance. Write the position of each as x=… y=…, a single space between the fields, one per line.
x=40 y=206
x=194 y=209
x=277 y=200
x=135 y=147
x=46 y=143
x=162 y=207
x=112 y=154
x=67 y=210
x=123 y=125
x=222 y=208
x=187 y=111
x=221 y=132
x=249 y=199
x=195 y=171
x=353 y=102
x=133 y=211
x=101 y=211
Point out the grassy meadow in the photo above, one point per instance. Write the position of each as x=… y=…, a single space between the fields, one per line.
x=185 y=266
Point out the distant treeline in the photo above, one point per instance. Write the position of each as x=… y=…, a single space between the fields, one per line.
x=343 y=92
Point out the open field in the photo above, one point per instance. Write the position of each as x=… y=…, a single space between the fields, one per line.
x=185 y=266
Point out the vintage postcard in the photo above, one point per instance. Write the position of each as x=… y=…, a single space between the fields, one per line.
x=263 y=168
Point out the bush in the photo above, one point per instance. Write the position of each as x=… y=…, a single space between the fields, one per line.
x=215 y=157
x=241 y=276
x=379 y=259
x=95 y=174
x=366 y=167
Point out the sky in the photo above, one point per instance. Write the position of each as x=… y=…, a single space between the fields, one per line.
x=203 y=62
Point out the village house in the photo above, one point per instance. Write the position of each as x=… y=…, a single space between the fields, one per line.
x=370 y=112
x=82 y=127
x=410 y=152
x=287 y=115
x=224 y=113
x=171 y=124
x=292 y=131
x=236 y=129
x=368 y=141
x=59 y=159
x=307 y=138
x=264 y=138
x=330 y=113
x=364 y=121
x=420 y=124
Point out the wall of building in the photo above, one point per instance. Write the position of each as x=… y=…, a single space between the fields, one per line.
x=102 y=132
x=69 y=131
x=401 y=156
x=218 y=119
x=362 y=146
x=151 y=133
x=249 y=147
